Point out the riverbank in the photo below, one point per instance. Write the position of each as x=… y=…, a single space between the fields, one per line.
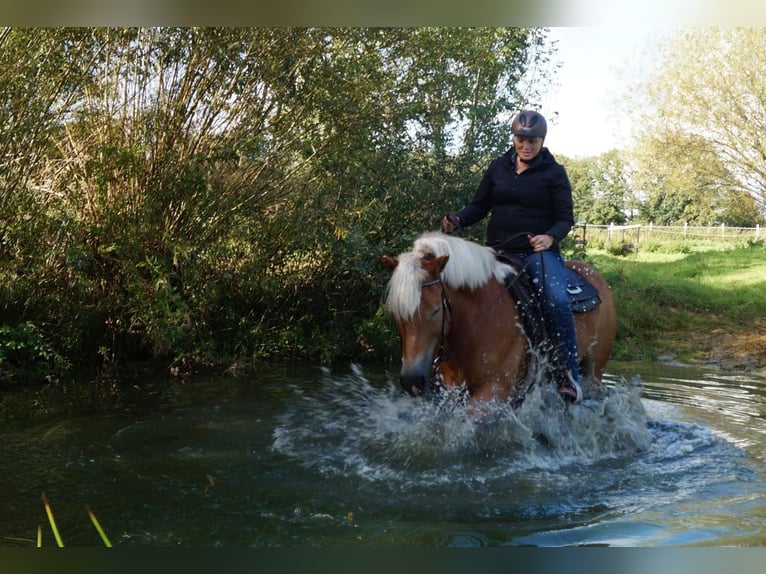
x=742 y=349
x=700 y=307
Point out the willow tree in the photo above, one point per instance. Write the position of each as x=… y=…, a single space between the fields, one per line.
x=198 y=188
x=706 y=100
x=170 y=139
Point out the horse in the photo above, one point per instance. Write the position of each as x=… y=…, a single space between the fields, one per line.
x=460 y=325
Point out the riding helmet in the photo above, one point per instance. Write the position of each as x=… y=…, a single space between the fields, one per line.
x=529 y=123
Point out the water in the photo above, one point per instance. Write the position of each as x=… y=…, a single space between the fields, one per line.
x=661 y=455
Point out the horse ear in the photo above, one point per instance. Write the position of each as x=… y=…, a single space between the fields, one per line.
x=436 y=265
x=389 y=263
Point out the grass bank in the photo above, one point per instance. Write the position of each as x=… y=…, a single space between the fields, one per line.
x=704 y=305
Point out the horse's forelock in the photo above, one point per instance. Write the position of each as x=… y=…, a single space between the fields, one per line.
x=403 y=292
x=470 y=265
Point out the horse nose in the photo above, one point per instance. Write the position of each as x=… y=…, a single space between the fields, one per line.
x=415 y=385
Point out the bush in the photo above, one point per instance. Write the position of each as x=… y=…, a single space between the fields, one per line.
x=26 y=355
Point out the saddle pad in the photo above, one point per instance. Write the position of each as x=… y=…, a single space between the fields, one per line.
x=582 y=295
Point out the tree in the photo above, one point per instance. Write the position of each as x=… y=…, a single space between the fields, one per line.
x=739 y=209
x=600 y=188
x=209 y=188
x=707 y=98
x=678 y=178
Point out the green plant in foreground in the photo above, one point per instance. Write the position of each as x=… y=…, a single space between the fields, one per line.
x=52 y=521
x=57 y=535
x=97 y=526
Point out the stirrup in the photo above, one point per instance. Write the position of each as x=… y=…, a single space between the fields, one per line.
x=570 y=391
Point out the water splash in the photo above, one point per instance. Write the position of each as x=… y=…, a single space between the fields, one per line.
x=352 y=426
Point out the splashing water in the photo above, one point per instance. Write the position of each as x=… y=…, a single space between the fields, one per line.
x=614 y=469
x=379 y=434
x=303 y=457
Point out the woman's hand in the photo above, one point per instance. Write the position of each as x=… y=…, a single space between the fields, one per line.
x=541 y=242
x=450 y=223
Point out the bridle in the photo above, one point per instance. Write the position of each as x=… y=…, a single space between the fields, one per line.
x=442 y=354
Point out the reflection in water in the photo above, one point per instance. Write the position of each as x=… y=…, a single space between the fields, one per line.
x=659 y=455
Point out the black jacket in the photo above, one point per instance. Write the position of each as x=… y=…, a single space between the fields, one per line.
x=536 y=201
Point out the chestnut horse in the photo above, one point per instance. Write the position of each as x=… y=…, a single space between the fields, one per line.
x=459 y=325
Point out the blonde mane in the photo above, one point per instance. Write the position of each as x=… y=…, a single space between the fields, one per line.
x=470 y=266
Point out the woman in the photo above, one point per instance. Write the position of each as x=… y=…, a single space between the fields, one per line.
x=530 y=200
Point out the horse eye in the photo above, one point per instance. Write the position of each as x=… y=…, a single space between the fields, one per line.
x=436 y=310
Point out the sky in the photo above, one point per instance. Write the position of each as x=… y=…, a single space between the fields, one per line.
x=588 y=86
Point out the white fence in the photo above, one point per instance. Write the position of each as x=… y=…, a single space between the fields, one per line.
x=631 y=235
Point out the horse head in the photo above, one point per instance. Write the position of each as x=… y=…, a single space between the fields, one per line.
x=421 y=312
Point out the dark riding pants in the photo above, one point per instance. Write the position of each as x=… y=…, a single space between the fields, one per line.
x=548 y=276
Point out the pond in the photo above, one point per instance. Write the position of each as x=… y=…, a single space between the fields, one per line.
x=660 y=455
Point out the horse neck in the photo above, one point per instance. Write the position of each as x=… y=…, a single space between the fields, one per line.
x=485 y=350
x=483 y=322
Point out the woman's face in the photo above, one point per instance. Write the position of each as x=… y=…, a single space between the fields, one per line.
x=527 y=147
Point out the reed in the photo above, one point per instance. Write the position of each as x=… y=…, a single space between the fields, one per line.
x=55 y=530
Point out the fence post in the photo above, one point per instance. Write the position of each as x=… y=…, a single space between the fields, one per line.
x=723 y=227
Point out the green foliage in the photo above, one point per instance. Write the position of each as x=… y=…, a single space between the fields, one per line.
x=206 y=194
x=202 y=195
x=26 y=354
x=701 y=114
x=739 y=209
x=600 y=188
x=691 y=186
